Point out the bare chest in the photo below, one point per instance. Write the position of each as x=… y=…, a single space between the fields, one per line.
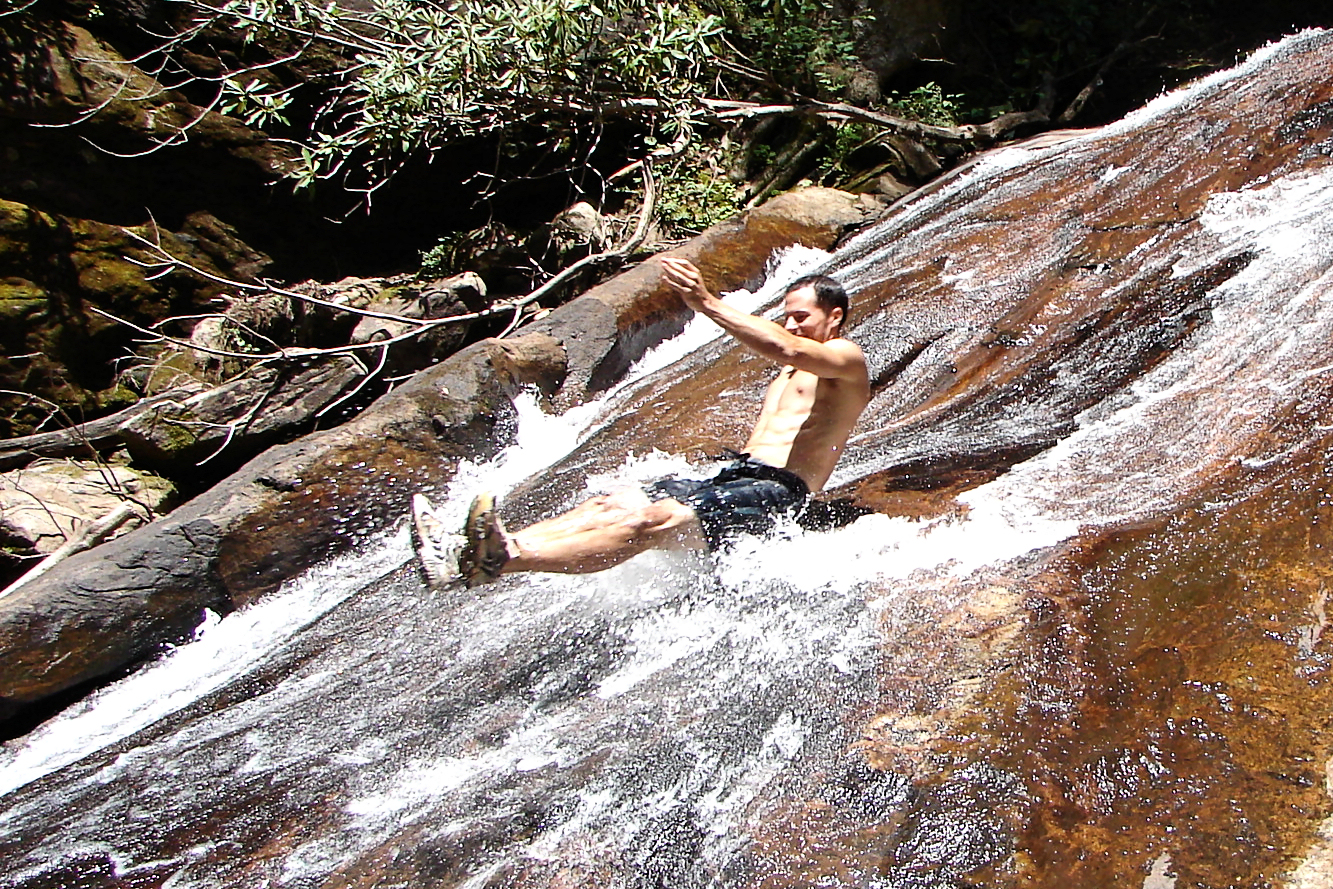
x=792 y=391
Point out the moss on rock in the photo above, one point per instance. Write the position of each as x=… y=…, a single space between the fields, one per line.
x=56 y=273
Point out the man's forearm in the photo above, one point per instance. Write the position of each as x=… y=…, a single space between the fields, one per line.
x=766 y=338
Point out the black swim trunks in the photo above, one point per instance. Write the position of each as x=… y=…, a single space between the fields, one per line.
x=746 y=496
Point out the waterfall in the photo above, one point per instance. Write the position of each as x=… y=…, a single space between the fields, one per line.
x=618 y=666
x=1097 y=657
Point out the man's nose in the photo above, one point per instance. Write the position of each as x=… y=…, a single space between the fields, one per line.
x=790 y=324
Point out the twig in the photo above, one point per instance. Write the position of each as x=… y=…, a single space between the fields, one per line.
x=87 y=537
x=666 y=152
x=361 y=45
x=300 y=353
x=24 y=7
x=633 y=243
x=168 y=262
x=366 y=377
x=53 y=410
x=969 y=134
x=1074 y=107
x=242 y=422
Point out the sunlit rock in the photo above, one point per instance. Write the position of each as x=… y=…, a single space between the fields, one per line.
x=1080 y=639
x=45 y=504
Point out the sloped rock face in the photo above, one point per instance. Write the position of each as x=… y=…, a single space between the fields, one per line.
x=1102 y=388
x=1167 y=664
x=1157 y=684
x=302 y=502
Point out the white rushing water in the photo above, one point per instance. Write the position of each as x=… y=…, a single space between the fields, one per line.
x=673 y=702
x=222 y=650
x=1201 y=408
x=226 y=648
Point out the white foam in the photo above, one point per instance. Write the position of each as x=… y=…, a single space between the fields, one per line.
x=222 y=649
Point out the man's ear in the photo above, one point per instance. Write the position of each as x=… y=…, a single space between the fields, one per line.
x=836 y=314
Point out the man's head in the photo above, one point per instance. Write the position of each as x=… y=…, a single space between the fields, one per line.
x=816 y=307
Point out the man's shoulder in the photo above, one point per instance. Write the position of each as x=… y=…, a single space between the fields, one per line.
x=844 y=344
x=849 y=355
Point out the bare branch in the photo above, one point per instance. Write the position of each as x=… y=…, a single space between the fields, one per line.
x=981 y=134
x=240 y=423
x=88 y=536
x=365 y=381
x=666 y=152
x=25 y=7
x=295 y=353
x=359 y=44
x=169 y=262
x=1074 y=107
x=158 y=336
x=616 y=254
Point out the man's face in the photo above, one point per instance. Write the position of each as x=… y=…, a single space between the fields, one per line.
x=807 y=318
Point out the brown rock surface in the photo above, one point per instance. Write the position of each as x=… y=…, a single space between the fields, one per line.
x=239 y=540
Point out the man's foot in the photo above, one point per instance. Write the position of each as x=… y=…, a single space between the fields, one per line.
x=437 y=547
x=487 y=549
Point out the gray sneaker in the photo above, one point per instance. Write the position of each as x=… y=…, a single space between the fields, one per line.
x=437 y=548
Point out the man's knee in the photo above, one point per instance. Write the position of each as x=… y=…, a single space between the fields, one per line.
x=673 y=525
x=641 y=518
x=667 y=513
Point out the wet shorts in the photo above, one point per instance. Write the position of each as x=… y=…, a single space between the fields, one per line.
x=747 y=496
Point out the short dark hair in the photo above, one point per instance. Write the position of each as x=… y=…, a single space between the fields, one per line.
x=829 y=294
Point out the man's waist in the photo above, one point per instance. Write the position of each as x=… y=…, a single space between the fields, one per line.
x=747 y=466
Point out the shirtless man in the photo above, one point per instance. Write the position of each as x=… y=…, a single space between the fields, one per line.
x=807 y=416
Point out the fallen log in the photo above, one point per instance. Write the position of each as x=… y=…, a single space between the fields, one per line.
x=190 y=424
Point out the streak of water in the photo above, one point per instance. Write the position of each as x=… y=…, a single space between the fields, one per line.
x=222 y=650
x=672 y=721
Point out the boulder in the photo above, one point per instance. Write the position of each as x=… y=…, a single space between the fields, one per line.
x=60 y=279
x=423 y=301
x=44 y=505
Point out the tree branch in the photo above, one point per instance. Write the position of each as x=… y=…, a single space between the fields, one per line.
x=632 y=243
x=1074 y=107
x=86 y=538
x=981 y=134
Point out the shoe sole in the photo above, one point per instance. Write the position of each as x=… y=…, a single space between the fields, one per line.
x=436 y=547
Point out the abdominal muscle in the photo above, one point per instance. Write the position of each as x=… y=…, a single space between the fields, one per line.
x=801 y=428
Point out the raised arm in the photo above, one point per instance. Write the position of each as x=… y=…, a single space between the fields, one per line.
x=834 y=358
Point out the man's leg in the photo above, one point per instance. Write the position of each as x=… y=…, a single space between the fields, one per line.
x=603 y=532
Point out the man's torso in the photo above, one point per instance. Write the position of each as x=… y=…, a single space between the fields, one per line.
x=805 y=423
